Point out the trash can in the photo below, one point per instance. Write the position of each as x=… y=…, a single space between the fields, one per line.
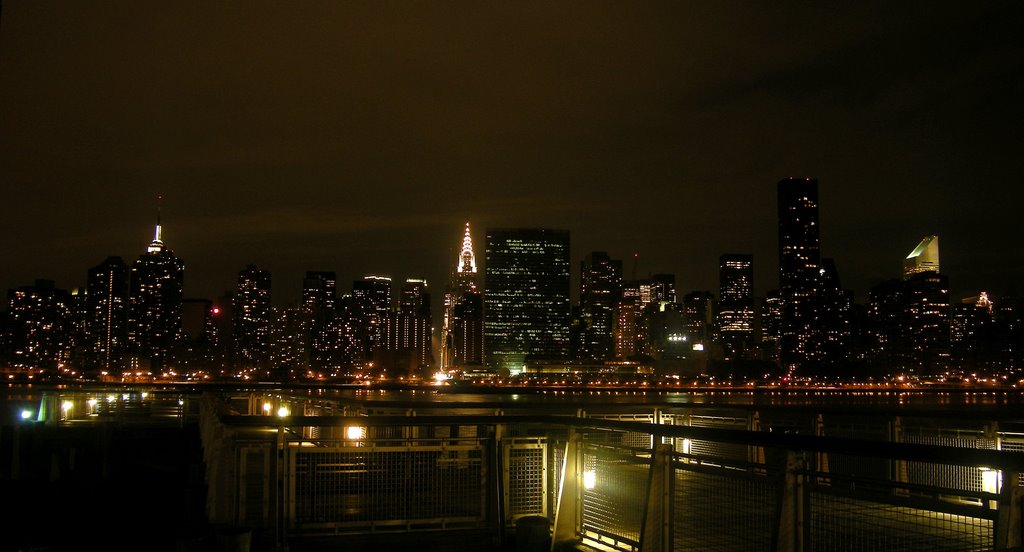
x=533 y=534
x=233 y=539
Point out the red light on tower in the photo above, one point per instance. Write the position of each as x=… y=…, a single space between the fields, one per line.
x=216 y=310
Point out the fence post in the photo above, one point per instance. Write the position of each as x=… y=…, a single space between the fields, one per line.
x=794 y=508
x=898 y=468
x=656 y=531
x=568 y=510
x=1008 y=517
x=755 y=453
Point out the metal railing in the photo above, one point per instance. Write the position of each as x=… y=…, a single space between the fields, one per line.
x=669 y=479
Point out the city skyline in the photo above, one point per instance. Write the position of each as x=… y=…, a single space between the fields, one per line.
x=358 y=139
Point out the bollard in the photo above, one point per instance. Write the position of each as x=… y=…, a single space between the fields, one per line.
x=533 y=534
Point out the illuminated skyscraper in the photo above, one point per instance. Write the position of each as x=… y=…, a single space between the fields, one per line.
x=372 y=297
x=910 y=318
x=465 y=348
x=526 y=296
x=927 y=322
x=408 y=329
x=154 y=314
x=38 y=327
x=628 y=320
x=924 y=258
x=736 y=305
x=600 y=292
x=107 y=314
x=251 y=324
x=799 y=270
x=319 y=294
x=698 y=313
x=289 y=346
x=468 y=330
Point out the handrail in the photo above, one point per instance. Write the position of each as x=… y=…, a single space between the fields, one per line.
x=1007 y=460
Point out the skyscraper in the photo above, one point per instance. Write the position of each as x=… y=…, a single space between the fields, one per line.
x=526 y=296
x=799 y=270
x=927 y=322
x=461 y=295
x=923 y=258
x=910 y=318
x=408 y=329
x=251 y=324
x=371 y=297
x=319 y=293
x=736 y=304
x=107 y=314
x=628 y=321
x=38 y=324
x=600 y=292
x=154 y=314
x=698 y=313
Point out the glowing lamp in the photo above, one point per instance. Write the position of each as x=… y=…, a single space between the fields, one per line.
x=589 y=479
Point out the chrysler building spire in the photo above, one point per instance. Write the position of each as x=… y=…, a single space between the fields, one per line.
x=467 y=261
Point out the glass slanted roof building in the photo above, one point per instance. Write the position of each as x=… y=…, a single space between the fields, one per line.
x=924 y=258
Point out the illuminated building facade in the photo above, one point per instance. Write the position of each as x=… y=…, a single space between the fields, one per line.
x=771 y=316
x=38 y=327
x=600 y=292
x=735 y=319
x=835 y=313
x=251 y=324
x=408 y=329
x=909 y=322
x=698 y=314
x=154 y=313
x=468 y=330
x=319 y=295
x=628 y=319
x=372 y=297
x=923 y=258
x=289 y=343
x=799 y=270
x=107 y=315
x=526 y=297
x=462 y=319
x=927 y=322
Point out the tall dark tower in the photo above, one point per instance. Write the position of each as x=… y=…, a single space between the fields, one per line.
x=526 y=296
x=736 y=304
x=799 y=269
x=251 y=324
x=154 y=314
x=107 y=314
x=600 y=292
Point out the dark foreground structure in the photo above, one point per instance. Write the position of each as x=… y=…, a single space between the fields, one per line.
x=305 y=470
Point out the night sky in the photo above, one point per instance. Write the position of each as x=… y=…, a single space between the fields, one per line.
x=359 y=136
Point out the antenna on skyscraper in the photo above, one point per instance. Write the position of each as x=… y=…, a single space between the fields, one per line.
x=636 y=259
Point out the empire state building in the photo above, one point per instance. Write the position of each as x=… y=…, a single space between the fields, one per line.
x=154 y=314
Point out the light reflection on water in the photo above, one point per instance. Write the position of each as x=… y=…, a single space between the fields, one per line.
x=850 y=398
